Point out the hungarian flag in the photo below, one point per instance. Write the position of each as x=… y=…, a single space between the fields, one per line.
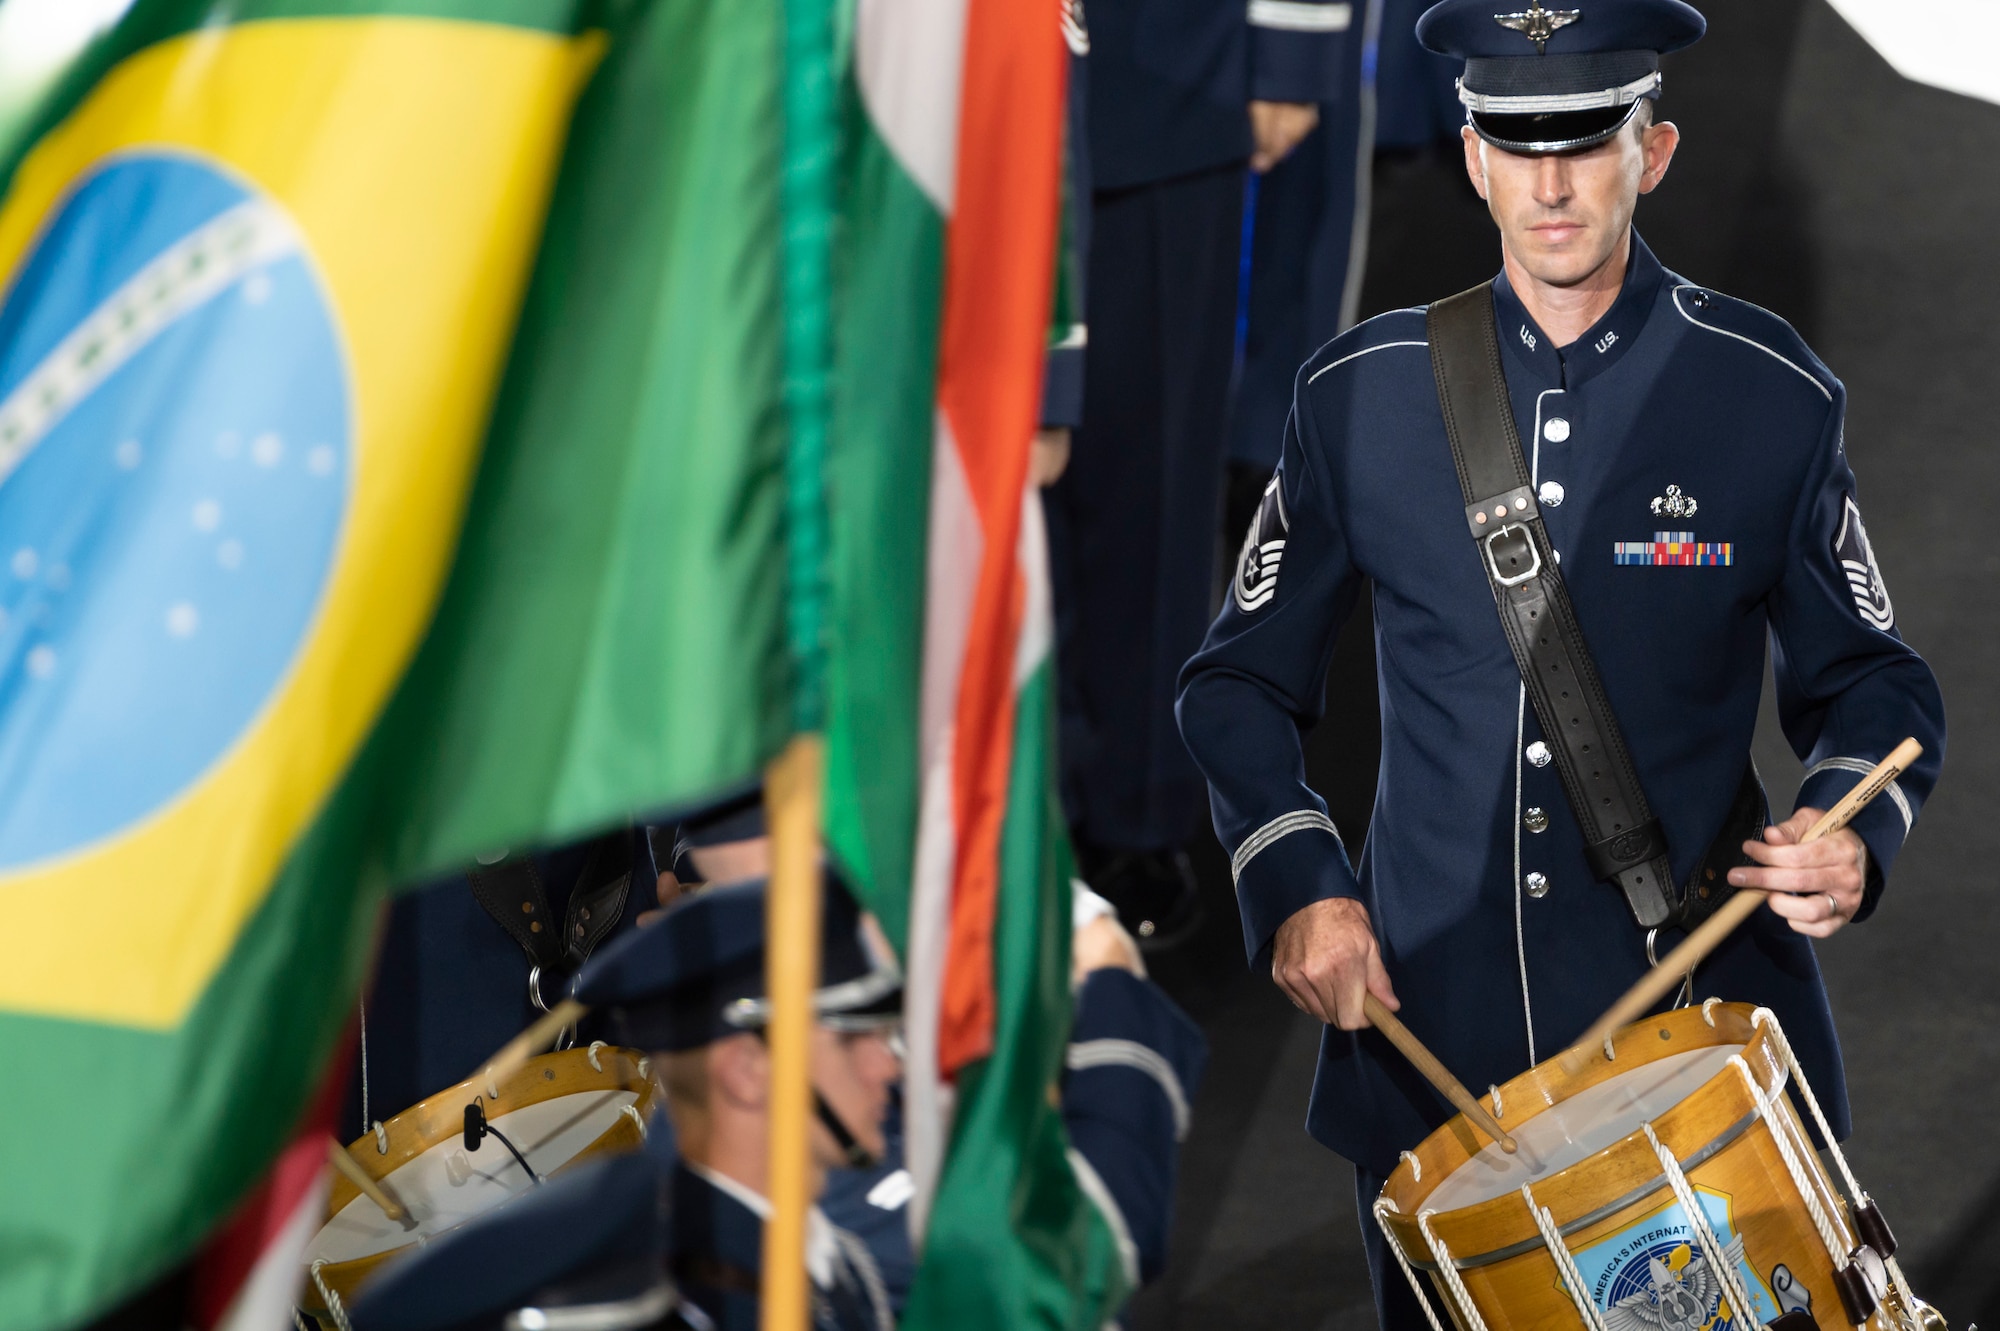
x=940 y=800
x=269 y=271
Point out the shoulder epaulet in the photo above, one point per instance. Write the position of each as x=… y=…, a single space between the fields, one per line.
x=1726 y=316
x=1397 y=328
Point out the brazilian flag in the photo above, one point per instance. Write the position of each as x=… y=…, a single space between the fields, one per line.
x=392 y=467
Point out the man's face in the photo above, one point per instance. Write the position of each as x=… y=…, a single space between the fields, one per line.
x=1563 y=216
x=854 y=1072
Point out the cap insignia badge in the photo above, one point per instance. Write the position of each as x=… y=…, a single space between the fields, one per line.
x=1674 y=504
x=1538 y=24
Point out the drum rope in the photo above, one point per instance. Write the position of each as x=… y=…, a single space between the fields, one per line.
x=330 y=1297
x=1718 y=1261
x=1383 y=1204
x=1573 y=1281
x=1416 y=1167
x=1449 y=1269
x=1781 y=1136
x=1763 y=1017
x=363 y=1022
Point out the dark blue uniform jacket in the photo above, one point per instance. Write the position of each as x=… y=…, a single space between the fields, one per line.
x=715 y=1253
x=1131 y=1069
x=1171 y=80
x=1677 y=386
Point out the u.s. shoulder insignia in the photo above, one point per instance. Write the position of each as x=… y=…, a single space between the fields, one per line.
x=1864 y=575
x=1256 y=580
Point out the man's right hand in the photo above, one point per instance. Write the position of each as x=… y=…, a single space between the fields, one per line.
x=1326 y=960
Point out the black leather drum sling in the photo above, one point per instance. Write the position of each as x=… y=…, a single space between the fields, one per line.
x=1623 y=841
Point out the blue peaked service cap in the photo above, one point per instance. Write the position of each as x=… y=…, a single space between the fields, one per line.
x=696 y=974
x=1545 y=79
x=579 y=1252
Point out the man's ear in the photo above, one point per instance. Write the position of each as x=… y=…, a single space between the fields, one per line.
x=739 y=1068
x=1658 y=143
x=1475 y=165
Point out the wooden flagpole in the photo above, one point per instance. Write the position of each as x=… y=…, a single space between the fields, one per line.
x=793 y=786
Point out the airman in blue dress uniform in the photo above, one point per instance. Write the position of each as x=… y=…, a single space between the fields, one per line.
x=689 y=987
x=1687 y=457
x=1181 y=96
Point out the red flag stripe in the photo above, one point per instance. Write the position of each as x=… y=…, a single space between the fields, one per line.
x=999 y=256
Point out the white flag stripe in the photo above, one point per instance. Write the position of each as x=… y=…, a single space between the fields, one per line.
x=1038 y=626
x=909 y=58
x=265 y=1300
x=956 y=546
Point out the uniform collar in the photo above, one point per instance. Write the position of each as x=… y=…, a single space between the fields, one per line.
x=1606 y=340
x=821 y=1249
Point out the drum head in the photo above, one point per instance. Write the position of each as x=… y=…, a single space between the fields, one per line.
x=557 y=1109
x=1571 y=1131
x=447 y=1185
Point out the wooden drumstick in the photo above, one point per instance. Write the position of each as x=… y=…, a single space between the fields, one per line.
x=514 y=1055
x=1665 y=977
x=1424 y=1061
x=351 y=1170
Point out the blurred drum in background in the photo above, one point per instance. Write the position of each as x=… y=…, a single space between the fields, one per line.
x=1667 y=1187
x=558 y=1109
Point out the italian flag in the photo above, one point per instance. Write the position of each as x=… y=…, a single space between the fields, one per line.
x=940 y=798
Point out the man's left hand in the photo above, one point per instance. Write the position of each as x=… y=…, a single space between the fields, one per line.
x=1817 y=885
x=1276 y=128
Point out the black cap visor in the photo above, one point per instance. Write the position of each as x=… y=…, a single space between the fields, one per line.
x=1552 y=132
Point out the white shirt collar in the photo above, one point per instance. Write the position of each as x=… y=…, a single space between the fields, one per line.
x=821 y=1250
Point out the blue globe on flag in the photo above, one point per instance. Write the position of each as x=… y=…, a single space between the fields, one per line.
x=175 y=467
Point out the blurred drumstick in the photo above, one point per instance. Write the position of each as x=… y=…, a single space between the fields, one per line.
x=1424 y=1061
x=351 y=1170
x=514 y=1055
x=1665 y=977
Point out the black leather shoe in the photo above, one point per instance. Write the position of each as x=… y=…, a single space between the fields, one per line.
x=1154 y=892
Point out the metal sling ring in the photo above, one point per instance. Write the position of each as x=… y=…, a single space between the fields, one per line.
x=567 y=1038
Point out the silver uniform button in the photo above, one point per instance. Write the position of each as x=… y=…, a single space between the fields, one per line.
x=1555 y=429
x=1538 y=754
x=1551 y=494
x=1535 y=820
x=1537 y=884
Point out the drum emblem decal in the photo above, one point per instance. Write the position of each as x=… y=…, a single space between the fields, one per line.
x=1654 y=1276
x=1680 y=1294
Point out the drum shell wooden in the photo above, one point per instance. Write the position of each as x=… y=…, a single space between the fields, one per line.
x=440 y=1117
x=1727 y=1151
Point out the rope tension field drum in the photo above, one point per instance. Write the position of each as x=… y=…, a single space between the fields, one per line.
x=1668 y=1187
x=558 y=1109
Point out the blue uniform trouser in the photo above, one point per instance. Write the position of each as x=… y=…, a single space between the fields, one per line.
x=1396 y=1307
x=1133 y=523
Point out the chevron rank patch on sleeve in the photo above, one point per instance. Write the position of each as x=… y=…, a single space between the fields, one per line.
x=1263 y=549
x=1864 y=575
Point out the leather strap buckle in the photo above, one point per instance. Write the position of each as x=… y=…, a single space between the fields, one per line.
x=1520 y=531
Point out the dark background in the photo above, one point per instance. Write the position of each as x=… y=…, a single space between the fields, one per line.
x=1866 y=210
